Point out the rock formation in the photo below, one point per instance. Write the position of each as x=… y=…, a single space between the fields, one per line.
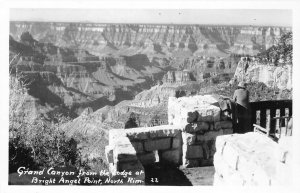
x=255 y=70
x=153 y=38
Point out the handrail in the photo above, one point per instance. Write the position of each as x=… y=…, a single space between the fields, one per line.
x=269 y=115
x=260 y=129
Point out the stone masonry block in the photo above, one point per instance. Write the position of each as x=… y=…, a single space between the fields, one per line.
x=188 y=139
x=196 y=127
x=221 y=167
x=223 y=125
x=147 y=158
x=221 y=142
x=164 y=131
x=231 y=156
x=261 y=178
x=143 y=133
x=138 y=146
x=206 y=151
x=158 y=144
x=193 y=151
x=227 y=131
x=133 y=135
x=192 y=117
x=124 y=153
x=210 y=135
x=211 y=114
x=212 y=147
x=176 y=142
x=172 y=156
x=218 y=180
x=246 y=167
x=178 y=109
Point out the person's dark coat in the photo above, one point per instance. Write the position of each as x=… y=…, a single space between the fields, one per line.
x=241 y=97
x=243 y=114
x=131 y=123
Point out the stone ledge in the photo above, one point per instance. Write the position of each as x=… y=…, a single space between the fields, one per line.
x=143 y=133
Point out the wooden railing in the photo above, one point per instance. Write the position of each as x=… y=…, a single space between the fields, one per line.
x=271 y=115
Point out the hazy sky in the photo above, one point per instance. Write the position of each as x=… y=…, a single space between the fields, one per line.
x=273 y=17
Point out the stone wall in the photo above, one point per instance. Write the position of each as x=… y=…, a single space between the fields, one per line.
x=252 y=159
x=131 y=149
x=202 y=121
x=199 y=142
x=188 y=140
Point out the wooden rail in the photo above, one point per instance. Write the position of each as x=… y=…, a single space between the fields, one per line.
x=271 y=115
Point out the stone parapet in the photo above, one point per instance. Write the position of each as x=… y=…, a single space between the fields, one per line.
x=189 y=140
x=251 y=159
x=180 y=110
x=199 y=142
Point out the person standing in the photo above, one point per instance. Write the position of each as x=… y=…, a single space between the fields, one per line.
x=241 y=98
x=131 y=122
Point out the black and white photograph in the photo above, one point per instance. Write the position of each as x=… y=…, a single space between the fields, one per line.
x=150 y=97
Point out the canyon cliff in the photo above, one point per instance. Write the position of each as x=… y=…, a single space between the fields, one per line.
x=152 y=39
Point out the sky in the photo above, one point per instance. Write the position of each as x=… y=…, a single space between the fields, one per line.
x=257 y=17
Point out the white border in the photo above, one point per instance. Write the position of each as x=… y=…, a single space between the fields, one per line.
x=4 y=16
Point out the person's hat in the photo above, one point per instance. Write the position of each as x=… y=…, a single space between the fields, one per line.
x=242 y=85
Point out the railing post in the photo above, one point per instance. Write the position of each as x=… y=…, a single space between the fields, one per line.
x=272 y=121
x=282 y=113
x=263 y=118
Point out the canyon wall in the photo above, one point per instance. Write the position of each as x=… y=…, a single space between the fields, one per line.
x=253 y=70
x=163 y=39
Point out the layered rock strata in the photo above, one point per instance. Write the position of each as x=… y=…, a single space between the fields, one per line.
x=254 y=70
x=153 y=38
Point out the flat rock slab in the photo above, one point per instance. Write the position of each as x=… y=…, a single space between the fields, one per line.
x=143 y=133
